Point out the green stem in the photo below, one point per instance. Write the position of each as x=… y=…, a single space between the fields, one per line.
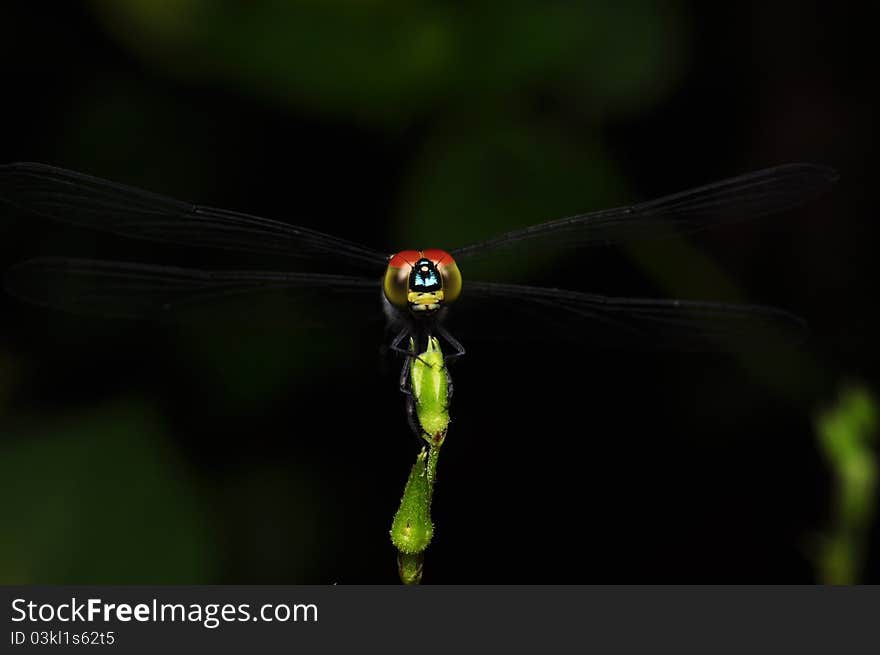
x=409 y=567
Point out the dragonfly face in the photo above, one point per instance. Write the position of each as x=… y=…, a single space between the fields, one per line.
x=421 y=281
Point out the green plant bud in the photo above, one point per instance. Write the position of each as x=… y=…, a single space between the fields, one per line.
x=411 y=529
x=430 y=392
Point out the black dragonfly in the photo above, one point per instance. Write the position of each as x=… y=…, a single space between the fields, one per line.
x=416 y=287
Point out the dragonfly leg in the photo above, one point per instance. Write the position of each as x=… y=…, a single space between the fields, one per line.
x=411 y=418
x=403 y=382
x=400 y=336
x=395 y=346
x=452 y=341
x=406 y=389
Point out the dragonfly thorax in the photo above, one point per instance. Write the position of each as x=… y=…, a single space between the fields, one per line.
x=421 y=281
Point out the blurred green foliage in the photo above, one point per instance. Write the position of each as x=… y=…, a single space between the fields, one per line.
x=848 y=435
x=267 y=341
x=106 y=497
x=273 y=522
x=9 y=370
x=100 y=497
x=386 y=61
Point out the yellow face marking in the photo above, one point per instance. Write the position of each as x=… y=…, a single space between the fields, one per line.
x=425 y=297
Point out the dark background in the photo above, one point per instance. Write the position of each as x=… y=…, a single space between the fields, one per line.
x=266 y=452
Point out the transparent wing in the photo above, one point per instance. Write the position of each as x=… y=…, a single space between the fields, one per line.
x=91 y=202
x=737 y=199
x=525 y=313
x=127 y=290
x=498 y=311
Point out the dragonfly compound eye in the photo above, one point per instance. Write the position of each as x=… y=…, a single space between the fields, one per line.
x=396 y=282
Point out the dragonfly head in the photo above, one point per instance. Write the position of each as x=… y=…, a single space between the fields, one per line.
x=421 y=281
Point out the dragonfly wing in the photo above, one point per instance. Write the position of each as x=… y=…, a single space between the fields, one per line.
x=545 y=314
x=126 y=211
x=128 y=290
x=737 y=199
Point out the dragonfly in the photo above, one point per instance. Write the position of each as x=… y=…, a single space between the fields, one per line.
x=416 y=290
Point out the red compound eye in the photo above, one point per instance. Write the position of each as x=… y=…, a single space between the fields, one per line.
x=439 y=257
x=404 y=259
